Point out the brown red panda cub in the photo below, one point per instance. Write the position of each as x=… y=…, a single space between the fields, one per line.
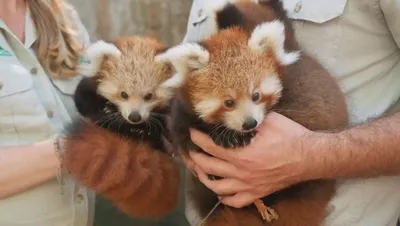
x=119 y=151
x=250 y=66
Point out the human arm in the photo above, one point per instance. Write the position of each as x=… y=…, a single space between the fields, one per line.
x=24 y=167
x=284 y=153
x=366 y=150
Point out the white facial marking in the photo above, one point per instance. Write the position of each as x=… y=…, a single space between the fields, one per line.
x=272 y=35
x=206 y=107
x=271 y=85
x=245 y=110
x=126 y=107
x=95 y=53
x=136 y=105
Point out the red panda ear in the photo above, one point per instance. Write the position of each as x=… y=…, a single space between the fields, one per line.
x=271 y=35
x=184 y=58
x=95 y=54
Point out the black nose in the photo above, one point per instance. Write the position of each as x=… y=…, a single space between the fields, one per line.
x=135 y=117
x=249 y=124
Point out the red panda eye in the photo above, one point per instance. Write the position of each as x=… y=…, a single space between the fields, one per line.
x=148 y=96
x=124 y=95
x=255 y=97
x=229 y=103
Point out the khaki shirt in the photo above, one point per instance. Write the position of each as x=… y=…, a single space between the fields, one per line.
x=358 y=42
x=34 y=107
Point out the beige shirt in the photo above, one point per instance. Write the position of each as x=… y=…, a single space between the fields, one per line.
x=34 y=107
x=358 y=42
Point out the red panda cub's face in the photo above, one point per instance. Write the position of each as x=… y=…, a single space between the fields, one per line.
x=128 y=76
x=233 y=78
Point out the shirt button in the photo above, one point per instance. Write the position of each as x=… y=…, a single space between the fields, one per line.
x=50 y=113
x=200 y=13
x=34 y=71
x=80 y=197
x=298 y=7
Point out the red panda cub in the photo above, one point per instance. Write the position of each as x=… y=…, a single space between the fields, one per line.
x=250 y=66
x=119 y=150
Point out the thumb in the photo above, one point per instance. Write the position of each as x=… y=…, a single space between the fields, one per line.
x=270 y=120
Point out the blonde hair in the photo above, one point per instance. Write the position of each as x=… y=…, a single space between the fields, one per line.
x=57 y=46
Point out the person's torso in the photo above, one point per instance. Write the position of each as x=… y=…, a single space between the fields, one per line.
x=351 y=40
x=32 y=109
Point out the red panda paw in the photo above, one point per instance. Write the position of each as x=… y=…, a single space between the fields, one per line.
x=235 y=217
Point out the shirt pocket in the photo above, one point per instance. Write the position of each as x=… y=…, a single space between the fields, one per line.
x=14 y=78
x=317 y=11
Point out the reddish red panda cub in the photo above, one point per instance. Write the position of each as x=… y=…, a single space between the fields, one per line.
x=253 y=65
x=119 y=153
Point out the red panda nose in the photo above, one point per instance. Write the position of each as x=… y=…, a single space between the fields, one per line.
x=135 y=117
x=249 y=124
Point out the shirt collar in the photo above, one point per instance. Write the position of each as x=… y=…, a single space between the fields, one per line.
x=3 y=25
x=3 y=30
x=30 y=30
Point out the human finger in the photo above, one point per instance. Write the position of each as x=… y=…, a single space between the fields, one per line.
x=239 y=200
x=207 y=144
x=226 y=186
x=214 y=166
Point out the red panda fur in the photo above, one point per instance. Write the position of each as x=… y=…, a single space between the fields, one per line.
x=139 y=180
x=132 y=175
x=310 y=96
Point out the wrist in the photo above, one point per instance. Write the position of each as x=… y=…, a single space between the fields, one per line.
x=57 y=143
x=58 y=149
x=321 y=153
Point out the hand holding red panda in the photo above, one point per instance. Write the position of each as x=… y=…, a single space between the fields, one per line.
x=250 y=66
x=119 y=150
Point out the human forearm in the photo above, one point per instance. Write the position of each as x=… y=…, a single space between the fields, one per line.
x=24 y=167
x=366 y=150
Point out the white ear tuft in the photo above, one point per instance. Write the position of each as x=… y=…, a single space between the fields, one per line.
x=184 y=58
x=272 y=35
x=95 y=54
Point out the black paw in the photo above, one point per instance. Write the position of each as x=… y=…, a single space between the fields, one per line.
x=235 y=140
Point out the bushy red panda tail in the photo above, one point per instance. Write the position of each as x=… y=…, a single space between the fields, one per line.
x=140 y=181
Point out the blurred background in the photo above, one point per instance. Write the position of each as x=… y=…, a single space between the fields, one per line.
x=165 y=20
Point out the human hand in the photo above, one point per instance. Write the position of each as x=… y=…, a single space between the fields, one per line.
x=276 y=158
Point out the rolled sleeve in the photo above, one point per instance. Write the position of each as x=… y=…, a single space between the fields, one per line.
x=391 y=11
